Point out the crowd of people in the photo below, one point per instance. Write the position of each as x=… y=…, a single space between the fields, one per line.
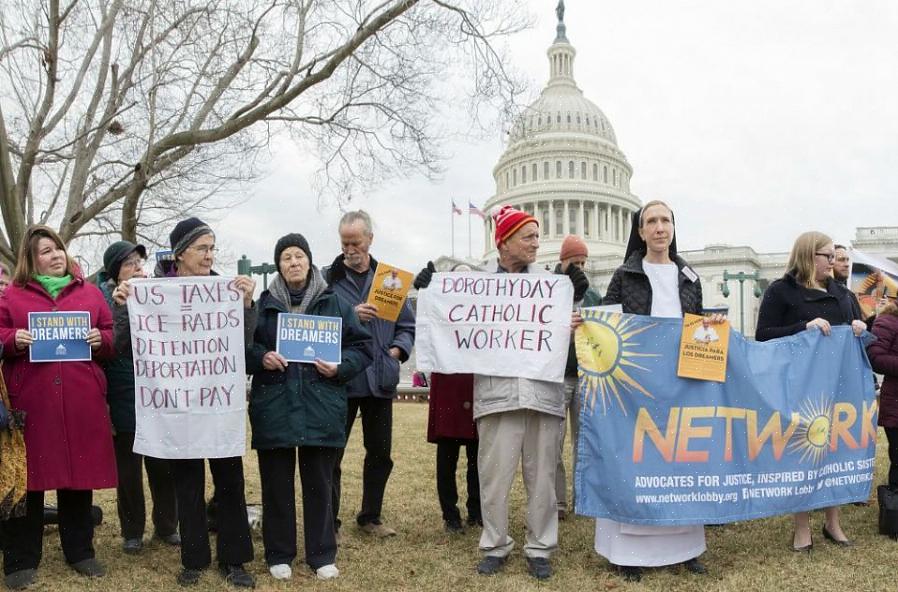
x=78 y=418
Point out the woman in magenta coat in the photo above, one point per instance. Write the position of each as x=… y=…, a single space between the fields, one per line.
x=883 y=354
x=68 y=435
x=450 y=425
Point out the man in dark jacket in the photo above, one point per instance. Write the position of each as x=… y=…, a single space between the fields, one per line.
x=370 y=393
x=574 y=252
x=124 y=261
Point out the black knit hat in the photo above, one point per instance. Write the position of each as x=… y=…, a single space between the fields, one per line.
x=186 y=232
x=116 y=253
x=293 y=239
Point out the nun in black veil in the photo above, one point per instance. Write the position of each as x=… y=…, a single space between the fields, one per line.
x=654 y=280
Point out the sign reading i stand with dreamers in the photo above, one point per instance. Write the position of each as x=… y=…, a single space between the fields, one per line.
x=302 y=338
x=59 y=336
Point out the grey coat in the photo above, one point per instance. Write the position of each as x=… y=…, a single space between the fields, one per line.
x=498 y=394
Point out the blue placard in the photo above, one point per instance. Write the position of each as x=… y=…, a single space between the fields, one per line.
x=302 y=338
x=59 y=336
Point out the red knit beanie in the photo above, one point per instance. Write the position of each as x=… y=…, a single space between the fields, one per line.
x=508 y=221
x=573 y=246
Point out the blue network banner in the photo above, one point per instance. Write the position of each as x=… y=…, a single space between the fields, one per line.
x=59 y=336
x=792 y=428
x=302 y=338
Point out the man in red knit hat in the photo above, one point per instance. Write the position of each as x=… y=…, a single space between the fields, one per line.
x=517 y=418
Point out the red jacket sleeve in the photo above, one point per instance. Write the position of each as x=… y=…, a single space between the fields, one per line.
x=883 y=352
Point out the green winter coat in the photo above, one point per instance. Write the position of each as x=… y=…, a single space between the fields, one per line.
x=299 y=407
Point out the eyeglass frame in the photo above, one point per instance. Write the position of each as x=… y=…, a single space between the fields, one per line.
x=831 y=257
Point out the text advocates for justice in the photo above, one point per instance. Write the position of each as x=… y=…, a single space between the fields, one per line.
x=189 y=367
x=515 y=325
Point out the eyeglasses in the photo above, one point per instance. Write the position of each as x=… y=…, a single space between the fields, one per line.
x=829 y=256
x=204 y=250
x=133 y=263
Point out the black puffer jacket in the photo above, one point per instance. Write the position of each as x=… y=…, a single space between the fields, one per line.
x=630 y=287
x=787 y=307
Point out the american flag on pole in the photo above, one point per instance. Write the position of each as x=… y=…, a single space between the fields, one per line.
x=456 y=209
x=477 y=211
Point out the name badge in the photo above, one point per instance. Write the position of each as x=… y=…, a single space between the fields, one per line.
x=687 y=271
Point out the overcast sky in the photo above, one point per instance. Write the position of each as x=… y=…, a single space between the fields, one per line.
x=755 y=120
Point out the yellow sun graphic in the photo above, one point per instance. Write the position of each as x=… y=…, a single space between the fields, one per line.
x=811 y=437
x=605 y=349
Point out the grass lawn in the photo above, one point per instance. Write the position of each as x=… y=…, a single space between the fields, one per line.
x=751 y=556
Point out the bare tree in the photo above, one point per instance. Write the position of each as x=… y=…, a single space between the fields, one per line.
x=116 y=115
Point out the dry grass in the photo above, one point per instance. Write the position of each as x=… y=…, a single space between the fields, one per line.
x=747 y=556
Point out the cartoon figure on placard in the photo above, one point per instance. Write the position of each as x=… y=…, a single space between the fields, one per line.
x=392 y=281
x=705 y=333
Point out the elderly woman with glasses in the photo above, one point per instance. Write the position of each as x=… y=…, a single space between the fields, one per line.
x=124 y=261
x=807 y=297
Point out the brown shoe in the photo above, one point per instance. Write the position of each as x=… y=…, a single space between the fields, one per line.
x=377 y=529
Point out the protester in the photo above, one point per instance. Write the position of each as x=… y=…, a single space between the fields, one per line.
x=193 y=249
x=450 y=425
x=807 y=297
x=298 y=411
x=654 y=280
x=123 y=261
x=574 y=253
x=4 y=277
x=883 y=354
x=518 y=421
x=371 y=393
x=841 y=265
x=68 y=439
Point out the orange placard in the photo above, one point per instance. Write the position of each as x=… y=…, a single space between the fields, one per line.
x=388 y=290
x=703 y=349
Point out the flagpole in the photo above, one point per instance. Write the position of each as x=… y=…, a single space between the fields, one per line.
x=452 y=226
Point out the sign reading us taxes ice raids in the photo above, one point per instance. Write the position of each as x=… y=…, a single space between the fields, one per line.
x=303 y=338
x=189 y=367
x=389 y=287
x=791 y=429
x=59 y=336
x=495 y=324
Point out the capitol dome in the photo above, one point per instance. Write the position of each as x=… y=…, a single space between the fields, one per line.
x=563 y=165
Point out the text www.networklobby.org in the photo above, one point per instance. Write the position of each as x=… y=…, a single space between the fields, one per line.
x=694 y=496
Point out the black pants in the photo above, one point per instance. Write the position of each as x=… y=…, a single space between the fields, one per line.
x=23 y=537
x=892 y=437
x=377 y=436
x=234 y=545
x=129 y=498
x=447 y=490
x=277 y=469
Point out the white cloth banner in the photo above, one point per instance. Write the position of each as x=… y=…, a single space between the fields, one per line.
x=495 y=324
x=189 y=367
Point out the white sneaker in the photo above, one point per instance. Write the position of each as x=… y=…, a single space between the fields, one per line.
x=327 y=572
x=281 y=571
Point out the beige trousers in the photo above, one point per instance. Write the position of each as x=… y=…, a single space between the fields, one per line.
x=507 y=438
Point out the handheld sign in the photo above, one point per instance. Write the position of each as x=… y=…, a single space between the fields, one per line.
x=59 y=336
x=388 y=291
x=302 y=338
x=189 y=370
x=703 y=349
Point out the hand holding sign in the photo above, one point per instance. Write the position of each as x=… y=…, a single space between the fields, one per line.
x=325 y=369
x=94 y=339
x=274 y=361
x=23 y=339
x=121 y=293
x=366 y=311
x=247 y=285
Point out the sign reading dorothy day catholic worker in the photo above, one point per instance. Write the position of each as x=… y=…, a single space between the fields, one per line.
x=189 y=367
x=496 y=324
x=792 y=428
x=302 y=338
x=59 y=336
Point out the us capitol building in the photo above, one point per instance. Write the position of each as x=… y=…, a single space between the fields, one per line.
x=563 y=165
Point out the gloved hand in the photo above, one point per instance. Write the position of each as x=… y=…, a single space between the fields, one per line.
x=580 y=281
x=424 y=276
